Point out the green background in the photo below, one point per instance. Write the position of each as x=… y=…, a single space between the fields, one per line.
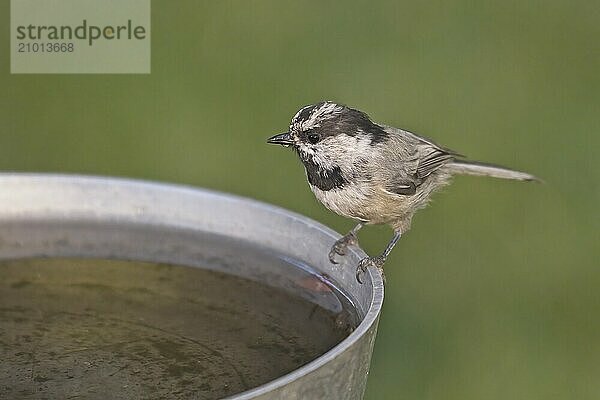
x=495 y=292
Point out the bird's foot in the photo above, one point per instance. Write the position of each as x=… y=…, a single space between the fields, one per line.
x=341 y=245
x=367 y=262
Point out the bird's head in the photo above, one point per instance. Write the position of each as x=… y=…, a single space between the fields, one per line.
x=330 y=134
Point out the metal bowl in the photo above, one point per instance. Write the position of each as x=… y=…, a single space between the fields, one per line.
x=50 y=216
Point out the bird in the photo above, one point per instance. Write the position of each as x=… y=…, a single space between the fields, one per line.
x=373 y=173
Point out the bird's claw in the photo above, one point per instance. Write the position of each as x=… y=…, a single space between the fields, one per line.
x=367 y=262
x=332 y=254
x=336 y=249
x=340 y=247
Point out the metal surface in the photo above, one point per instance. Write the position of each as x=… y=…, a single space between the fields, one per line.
x=75 y=216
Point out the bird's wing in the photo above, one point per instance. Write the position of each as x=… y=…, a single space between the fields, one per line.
x=420 y=158
x=401 y=186
x=426 y=141
x=430 y=159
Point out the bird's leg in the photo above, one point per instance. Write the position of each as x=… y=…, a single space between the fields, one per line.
x=340 y=246
x=377 y=261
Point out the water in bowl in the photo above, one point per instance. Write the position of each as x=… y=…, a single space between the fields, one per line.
x=95 y=328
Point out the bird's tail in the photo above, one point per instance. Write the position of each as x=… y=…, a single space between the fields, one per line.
x=484 y=169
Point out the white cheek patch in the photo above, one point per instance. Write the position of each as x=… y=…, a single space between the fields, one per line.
x=303 y=148
x=342 y=151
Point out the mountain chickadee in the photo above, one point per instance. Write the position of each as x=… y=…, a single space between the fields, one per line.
x=373 y=173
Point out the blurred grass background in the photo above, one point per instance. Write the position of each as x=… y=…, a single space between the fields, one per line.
x=494 y=294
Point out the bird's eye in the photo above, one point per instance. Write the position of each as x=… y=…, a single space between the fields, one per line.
x=313 y=137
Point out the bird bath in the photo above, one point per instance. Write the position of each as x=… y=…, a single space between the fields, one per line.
x=126 y=289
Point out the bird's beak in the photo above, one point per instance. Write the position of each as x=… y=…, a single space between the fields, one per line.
x=284 y=139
